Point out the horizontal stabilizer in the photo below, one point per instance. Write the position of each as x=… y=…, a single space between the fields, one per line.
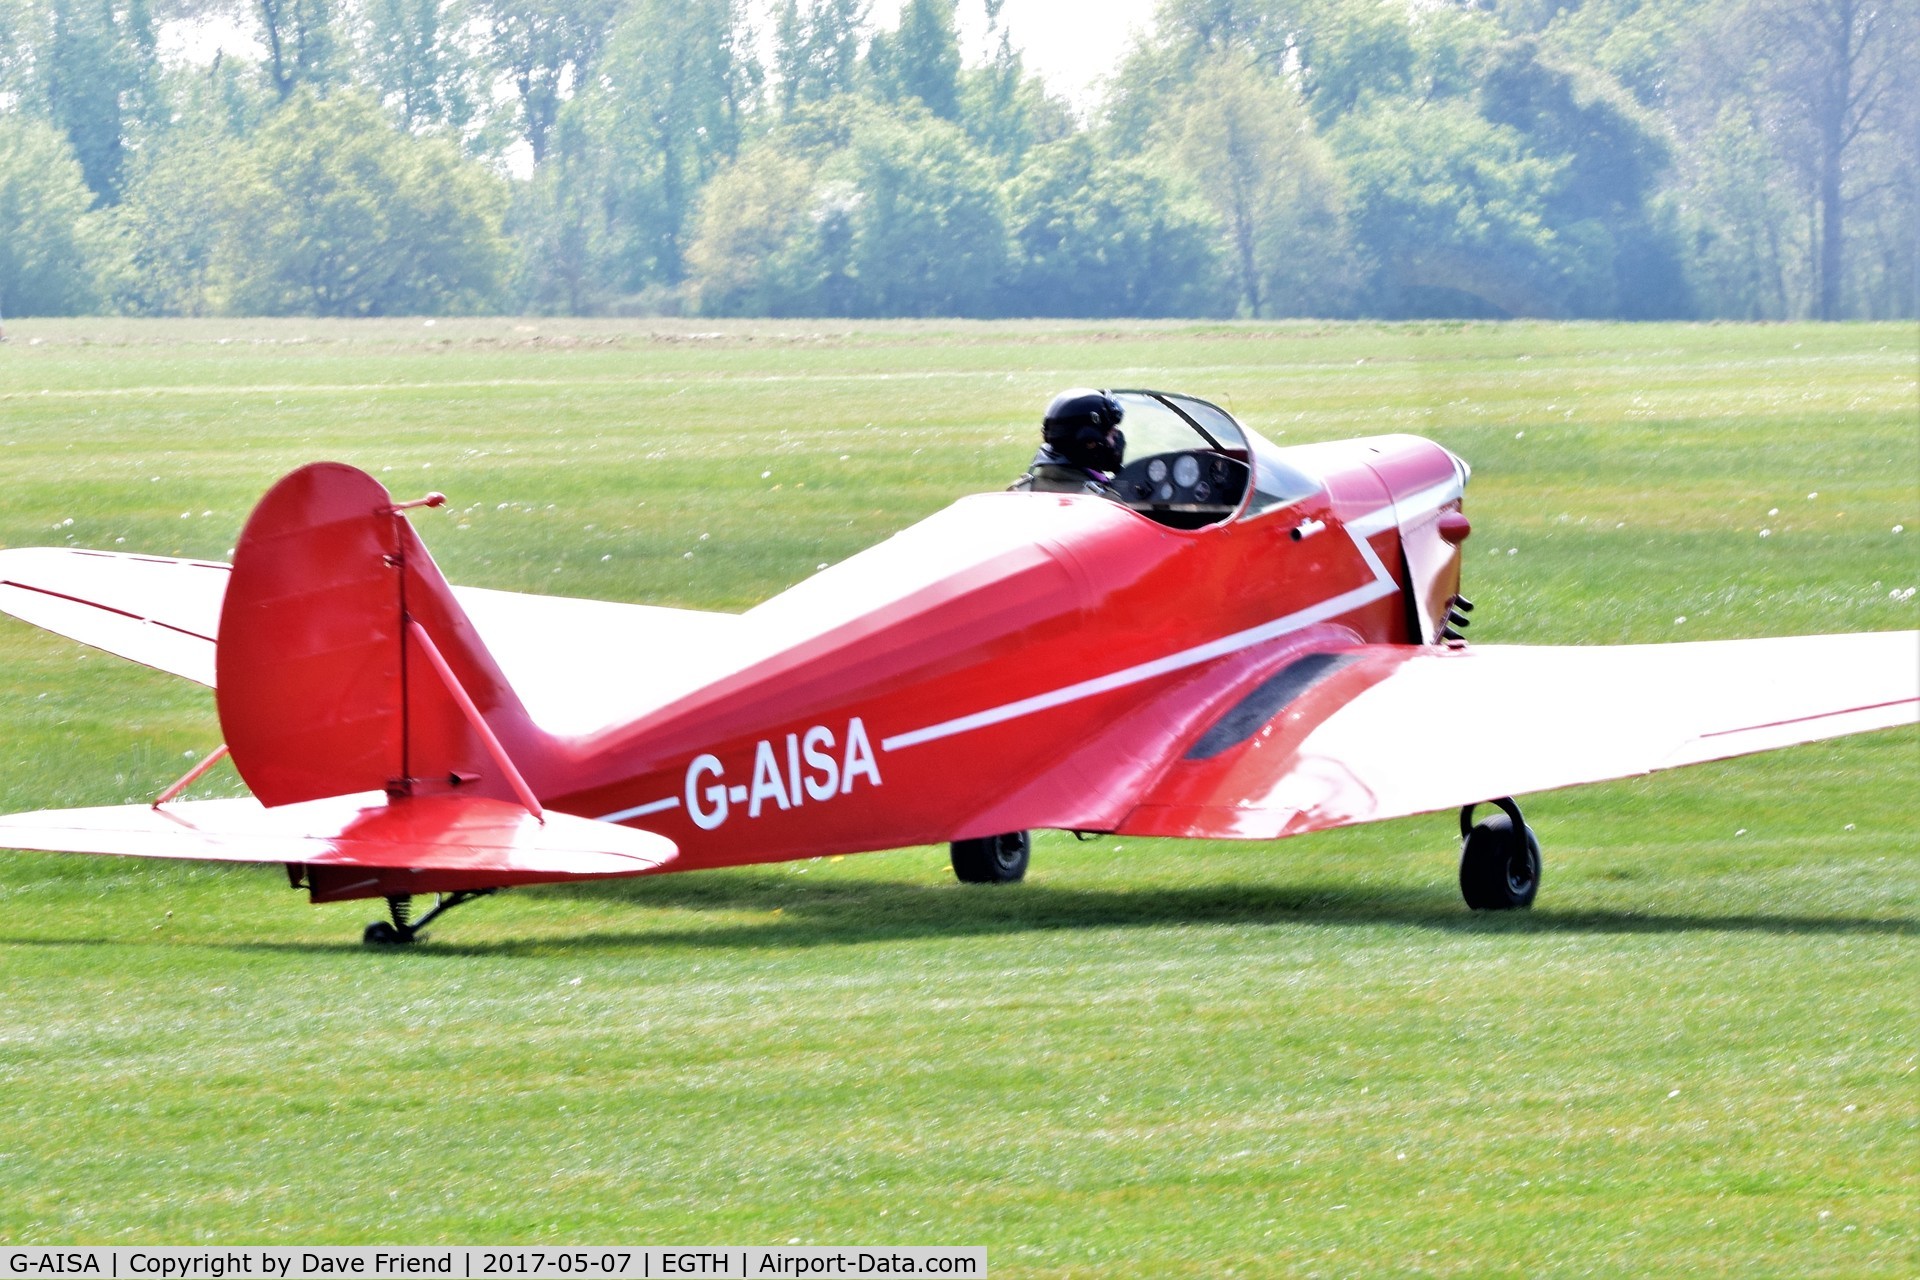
x=494 y=841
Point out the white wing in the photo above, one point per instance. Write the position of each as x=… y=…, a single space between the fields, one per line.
x=1384 y=731
x=576 y=664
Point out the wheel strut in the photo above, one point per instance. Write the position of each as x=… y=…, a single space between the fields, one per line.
x=401 y=928
x=1506 y=805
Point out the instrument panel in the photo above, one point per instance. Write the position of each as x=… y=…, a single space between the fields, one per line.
x=1187 y=489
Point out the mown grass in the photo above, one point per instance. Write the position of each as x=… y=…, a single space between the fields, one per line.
x=1699 y=1054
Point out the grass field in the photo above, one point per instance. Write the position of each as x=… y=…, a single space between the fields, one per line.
x=1699 y=1054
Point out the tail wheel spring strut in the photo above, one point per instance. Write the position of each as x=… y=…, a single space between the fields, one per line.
x=401 y=928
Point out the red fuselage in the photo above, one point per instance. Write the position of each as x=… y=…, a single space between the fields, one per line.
x=1001 y=638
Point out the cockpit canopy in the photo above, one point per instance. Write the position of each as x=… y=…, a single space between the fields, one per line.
x=1190 y=464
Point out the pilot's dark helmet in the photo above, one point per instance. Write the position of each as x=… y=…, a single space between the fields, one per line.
x=1083 y=426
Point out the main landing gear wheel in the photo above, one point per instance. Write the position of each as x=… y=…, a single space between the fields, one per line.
x=992 y=859
x=1499 y=860
x=403 y=929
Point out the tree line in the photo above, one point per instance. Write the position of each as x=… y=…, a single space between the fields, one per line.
x=1749 y=159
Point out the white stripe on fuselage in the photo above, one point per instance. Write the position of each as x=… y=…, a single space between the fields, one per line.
x=1405 y=509
x=1342 y=603
x=642 y=810
x=1383 y=584
x=1359 y=529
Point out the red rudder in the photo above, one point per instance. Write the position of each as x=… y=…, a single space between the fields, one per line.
x=321 y=688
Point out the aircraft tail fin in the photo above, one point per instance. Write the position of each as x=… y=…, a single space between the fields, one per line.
x=345 y=664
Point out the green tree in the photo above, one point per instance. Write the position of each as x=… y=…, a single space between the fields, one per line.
x=168 y=233
x=1006 y=110
x=1350 y=53
x=1611 y=157
x=919 y=61
x=1796 y=126
x=1166 y=68
x=817 y=50
x=1337 y=54
x=1452 y=45
x=1884 y=215
x=558 y=223
x=1744 y=251
x=302 y=43
x=659 y=122
x=774 y=235
x=97 y=78
x=1450 y=212
x=413 y=55
x=333 y=212
x=758 y=245
x=1242 y=137
x=853 y=210
x=1639 y=43
x=1200 y=30
x=19 y=37
x=546 y=50
x=1831 y=72
x=1095 y=236
x=926 y=229
x=47 y=252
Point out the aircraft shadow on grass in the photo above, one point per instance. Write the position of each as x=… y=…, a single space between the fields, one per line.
x=828 y=913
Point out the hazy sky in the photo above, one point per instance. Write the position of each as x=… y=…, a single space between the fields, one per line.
x=1073 y=44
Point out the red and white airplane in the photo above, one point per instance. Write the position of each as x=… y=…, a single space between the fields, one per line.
x=1258 y=642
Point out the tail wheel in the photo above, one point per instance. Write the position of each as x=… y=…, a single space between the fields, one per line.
x=401 y=929
x=1499 y=860
x=992 y=859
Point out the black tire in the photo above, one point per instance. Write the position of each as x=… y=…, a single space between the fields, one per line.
x=1499 y=870
x=381 y=934
x=992 y=859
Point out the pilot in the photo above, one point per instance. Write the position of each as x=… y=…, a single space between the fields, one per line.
x=1082 y=446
